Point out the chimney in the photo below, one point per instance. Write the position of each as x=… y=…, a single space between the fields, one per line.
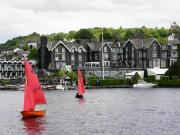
x=43 y=40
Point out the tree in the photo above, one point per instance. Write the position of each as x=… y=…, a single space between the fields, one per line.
x=33 y=54
x=174 y=70
x=84 y=34
x=136 y=77
x=72 y=75
x=145 y=73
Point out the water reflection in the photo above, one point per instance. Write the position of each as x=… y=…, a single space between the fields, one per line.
x=82 y=101
x=34 y=126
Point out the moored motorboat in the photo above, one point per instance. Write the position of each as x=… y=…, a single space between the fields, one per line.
x=143 y=84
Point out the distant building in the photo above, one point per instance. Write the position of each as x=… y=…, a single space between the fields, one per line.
x=13 y=69
x=32 y=44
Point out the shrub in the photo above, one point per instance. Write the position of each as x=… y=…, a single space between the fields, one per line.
x=151 y=78
x=164 y=78
x=92 y=82
x=175 y=78
x=145 y=73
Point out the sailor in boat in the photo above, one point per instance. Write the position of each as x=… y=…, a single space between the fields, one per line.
x=81 y=90
x=79 y=95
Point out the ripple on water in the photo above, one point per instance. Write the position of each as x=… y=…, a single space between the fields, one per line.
x=102 y=112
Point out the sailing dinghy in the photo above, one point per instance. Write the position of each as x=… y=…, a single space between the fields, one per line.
x=34 y=94
x=80 y=92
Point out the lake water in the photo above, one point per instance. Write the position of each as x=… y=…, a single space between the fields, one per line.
x=102 y=112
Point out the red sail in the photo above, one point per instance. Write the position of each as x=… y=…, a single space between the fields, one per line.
x=80 y=83
x=28 y=100
x=33 y=91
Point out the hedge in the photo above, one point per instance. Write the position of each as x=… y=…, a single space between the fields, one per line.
x=175 y=77
x=166 y=82
x=150 y=78
x=105 y=82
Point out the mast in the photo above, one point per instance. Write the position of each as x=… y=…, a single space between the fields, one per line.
x=102 y=56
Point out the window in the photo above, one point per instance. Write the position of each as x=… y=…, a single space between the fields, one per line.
x=95 y=57
x=56 y=57
x=80 y=64
x=80 y=50
x=132 y=54
x=73 y=50
x=56 y=50
x=127 y=49
x=174 y=47
x=80 y=57
x=164 y=55
x=63 y=50
x=114 y=56
x=106 y=56
x=140 y=55
x=154 y=53
x=57 y=65
x=154 y=47
x=174 y=54
x=72 y=57
x=144 y=54
x=121 y=50
x=126 y=55
x=150 y=63
x=132 y=49
x=63 y=57
x=163 y=63
x=105 y=48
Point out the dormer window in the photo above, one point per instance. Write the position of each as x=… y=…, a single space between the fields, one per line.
x=154 y=47
x=73 y=50
x=132 y=49
x=80 y=50
x=126 y=49
x=63 y=50
x=56 y=50
x=105 y=48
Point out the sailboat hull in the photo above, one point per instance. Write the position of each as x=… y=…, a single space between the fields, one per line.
x=27 y=114
x=78 y=96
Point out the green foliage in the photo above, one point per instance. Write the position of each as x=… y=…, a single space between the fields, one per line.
x=84 y=34
x=136 y=77
x=93 y=76
x=145 y=73
x=174 y=70
x=4 y=82
x=175 y=78
x=95 y=33
x=164 y=78
x=33 y=53
x=20 y=41
x=72 y=75
x=150 y=78
x=166 y=82
x=108 y=82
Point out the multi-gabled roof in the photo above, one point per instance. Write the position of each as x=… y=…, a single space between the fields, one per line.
x=68 y=44
x=142 y=43
x=174 y=42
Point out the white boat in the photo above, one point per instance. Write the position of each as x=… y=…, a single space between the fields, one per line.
x=60 y=87
x=143 y=84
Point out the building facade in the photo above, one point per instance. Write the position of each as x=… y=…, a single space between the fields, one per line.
x=134 y=54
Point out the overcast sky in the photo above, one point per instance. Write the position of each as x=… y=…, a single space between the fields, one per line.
x=22 y=17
